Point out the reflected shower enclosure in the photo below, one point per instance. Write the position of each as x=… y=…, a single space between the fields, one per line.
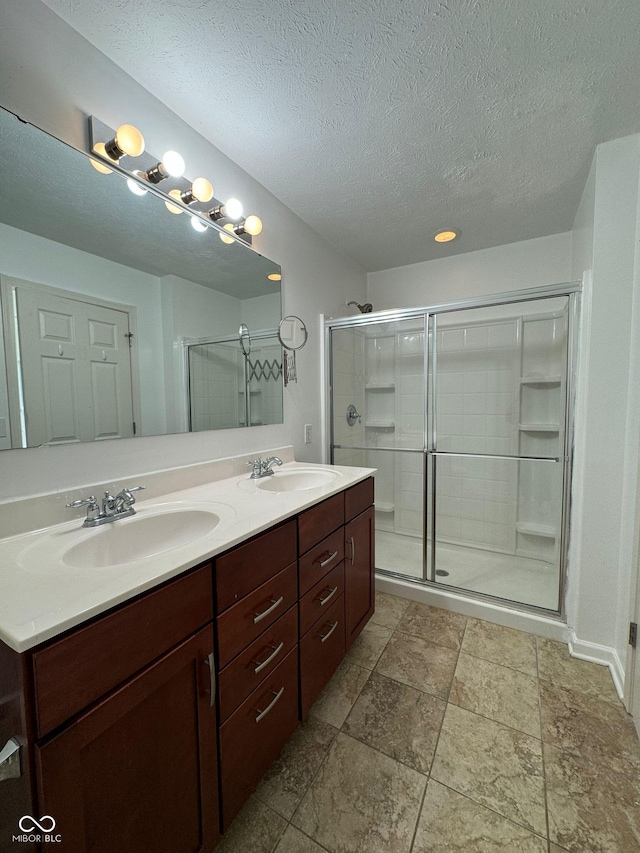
x=466 y=412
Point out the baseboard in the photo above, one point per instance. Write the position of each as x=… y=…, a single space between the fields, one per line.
x=605 y=655
x=522 y=620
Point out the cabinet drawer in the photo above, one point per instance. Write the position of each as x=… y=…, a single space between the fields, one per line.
x=320 y=597
x=315 y=564
x=72 y=672
x=321 y=650
x=254 y=735
x=241 y=624
x=257 y=662
x=246 y=567
x=316 y=523
x=358 y=498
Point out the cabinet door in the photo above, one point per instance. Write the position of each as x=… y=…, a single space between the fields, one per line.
x=139 y=770
x=359 y=573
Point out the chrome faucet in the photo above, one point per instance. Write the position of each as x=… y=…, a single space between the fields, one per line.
x=113 y=508
x=263 y=469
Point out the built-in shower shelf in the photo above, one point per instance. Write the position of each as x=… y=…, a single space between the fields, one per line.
x=385 y=506
x=389 y=386
x=539 y=427
x=541 y=380
x=252 y=391
x=380 y=424
x=532 y=529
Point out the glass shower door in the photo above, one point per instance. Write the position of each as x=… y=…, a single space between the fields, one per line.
x=499 y=410
x=377 y=421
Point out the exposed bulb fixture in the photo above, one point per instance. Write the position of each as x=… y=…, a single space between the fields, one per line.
x=172 y=164
x=198 y=225
x=128 y=140
x=200 y=190
x=231 y=209
x=274 y=276
x=251 y=225
x=446 y=235
x=97 y=165
x=135 y=187
x=228 y=227
x=173 y=208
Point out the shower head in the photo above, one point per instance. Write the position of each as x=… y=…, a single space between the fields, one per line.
x=367 y=308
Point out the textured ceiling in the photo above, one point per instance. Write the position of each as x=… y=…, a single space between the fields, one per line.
x=380 y=121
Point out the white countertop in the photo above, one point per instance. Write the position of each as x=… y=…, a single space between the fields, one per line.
x=42 y=595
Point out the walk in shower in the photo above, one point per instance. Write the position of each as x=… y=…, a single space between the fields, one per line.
x=465 y=409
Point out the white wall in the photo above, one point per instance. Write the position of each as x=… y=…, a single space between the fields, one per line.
x=52 y=77
x=516 y=266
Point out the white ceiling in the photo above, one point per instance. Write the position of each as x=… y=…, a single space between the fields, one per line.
x=380 y=121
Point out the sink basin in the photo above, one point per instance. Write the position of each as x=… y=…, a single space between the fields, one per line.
x=298 y=480
x=141 y=536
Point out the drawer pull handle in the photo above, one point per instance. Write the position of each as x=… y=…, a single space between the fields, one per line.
x=324 y=600
x=264 y=713
x=353 y=551
x=328 y=559
x=325 y=637
x=276 y=651
x=260 y=616
x=212 y=680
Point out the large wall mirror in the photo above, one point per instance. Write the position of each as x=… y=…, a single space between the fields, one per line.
x=118 y=318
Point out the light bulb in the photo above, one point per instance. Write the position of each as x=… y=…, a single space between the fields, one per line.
x=202 y=189
x=223 y=237
x=253 y=225
x=135 y=187
x=173 y=163
x=233 y=208
x=172 y=208
x=274 y=276
x=97 y=165
x=446 y=235
x=197 y=225
x=129 y=140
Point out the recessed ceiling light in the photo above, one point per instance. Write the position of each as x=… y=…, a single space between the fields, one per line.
x=274 y=276
x=446 y=235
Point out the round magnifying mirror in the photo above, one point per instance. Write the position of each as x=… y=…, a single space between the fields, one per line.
x=292 y=332
x=245 y=339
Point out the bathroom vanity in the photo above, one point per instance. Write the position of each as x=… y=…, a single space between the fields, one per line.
x=148 y=726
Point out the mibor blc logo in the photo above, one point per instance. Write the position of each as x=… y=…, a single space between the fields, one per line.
x=37 y=830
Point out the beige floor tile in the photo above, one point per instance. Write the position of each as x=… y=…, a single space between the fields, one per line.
x=553 y=848
x=419 y=664
x=433 y=624
x=494 y=691
x=389 y=609
x=496 y=766
x=555 y=664
x=498 y=644
x=584 y=724
x=338 y=697
x=398 y=720
x=368 y=647
x=290 y=775
x=256 y=828
x=451 y=823
x=361 y=801
x=593 y=805
x=294 y=841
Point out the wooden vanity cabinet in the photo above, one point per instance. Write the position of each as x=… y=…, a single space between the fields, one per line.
x=359 y=573
x=134 y=764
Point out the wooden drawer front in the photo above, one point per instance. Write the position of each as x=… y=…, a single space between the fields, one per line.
x=241 y=624
x=254 y=735
x=247 y=566
x=257 y=662
x=321 y=597
x=358 y=498
x=321 y=650
x=315 y=564
x=72 y=672
x=316 y=523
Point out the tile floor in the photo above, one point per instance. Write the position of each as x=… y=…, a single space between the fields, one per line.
x=441 y=733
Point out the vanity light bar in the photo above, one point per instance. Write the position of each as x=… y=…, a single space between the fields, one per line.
x=127 y=141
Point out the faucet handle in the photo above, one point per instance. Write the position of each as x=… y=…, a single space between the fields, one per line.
x=257 y=461
x=134 y=489
x=90 y=502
